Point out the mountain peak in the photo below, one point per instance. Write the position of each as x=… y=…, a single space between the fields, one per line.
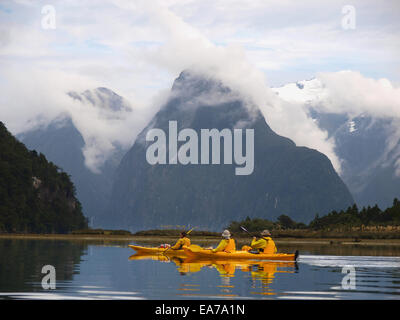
x=191 y=84
x=102 y=98
x=147 y=195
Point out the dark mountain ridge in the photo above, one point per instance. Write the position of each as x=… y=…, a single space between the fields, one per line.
x=287 y=179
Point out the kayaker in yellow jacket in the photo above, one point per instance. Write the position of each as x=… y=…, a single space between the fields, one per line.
x=227 y=244
x=183 y=241
x=264 y=244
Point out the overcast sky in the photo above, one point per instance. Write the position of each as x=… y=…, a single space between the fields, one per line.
x=137 y=49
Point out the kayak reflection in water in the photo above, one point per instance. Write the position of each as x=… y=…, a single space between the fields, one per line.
x=227 y=243
x=262 y=273
x=184 y=268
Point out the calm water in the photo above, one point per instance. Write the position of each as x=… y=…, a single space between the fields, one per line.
x=87 y=270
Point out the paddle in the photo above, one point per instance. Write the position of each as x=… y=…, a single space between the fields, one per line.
x=186 y=234
x=244 y=229
x=253 y=235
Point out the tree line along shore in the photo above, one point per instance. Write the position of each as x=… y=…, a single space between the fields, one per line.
x=352 y=223
x=367 y=223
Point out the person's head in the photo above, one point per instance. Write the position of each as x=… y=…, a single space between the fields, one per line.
x=183 y=234
x=265 y=233
x=226 y=234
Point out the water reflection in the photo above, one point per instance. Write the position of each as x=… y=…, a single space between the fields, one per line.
x=101 y=270
x=260 y=273
x=21 y=262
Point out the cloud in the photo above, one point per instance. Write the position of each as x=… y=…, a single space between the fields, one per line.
x=187 y=48
x=30 y=96
x=181 y=46
x=345 y=92
x=352 y=94
x=137 y=49
x=40 y=97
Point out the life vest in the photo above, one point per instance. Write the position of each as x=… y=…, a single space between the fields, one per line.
x=264 y=245
x=270 y=247
x=226 y=245
x=186 y=242
x=180 y=243
x=231 y=246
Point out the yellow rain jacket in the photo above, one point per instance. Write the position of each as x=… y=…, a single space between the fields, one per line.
x=265 y=245
x=226 y=245
x=180 y=243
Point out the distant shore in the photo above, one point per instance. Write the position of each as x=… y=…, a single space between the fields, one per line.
x=348 y=241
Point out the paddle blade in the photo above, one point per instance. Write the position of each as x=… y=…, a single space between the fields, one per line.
x=244 y=229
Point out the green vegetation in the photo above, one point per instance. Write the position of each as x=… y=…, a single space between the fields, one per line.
x=352 y=217
x=257 y=224
x=176 y=233
x=102 y=232
x=35 y=195
x=370 y=222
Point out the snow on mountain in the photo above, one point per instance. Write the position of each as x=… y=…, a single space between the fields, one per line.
x=305 y=91
x=366 y=143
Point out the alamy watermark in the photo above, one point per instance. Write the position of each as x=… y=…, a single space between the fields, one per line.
x=349 y=280
x=349 y=17
x=49 y=17
x=188 y=152
x=49 y=280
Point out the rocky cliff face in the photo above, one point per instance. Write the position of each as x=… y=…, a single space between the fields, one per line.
x=286 y=179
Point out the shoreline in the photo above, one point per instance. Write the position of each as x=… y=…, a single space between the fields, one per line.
x=126 y=238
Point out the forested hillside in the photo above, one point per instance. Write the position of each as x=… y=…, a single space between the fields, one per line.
x=35 y=195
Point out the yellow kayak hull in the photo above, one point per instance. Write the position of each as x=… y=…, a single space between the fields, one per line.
x=156 y=251
x=237 y=255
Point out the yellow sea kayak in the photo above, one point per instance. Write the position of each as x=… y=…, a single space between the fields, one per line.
x=195 y=253
x=156 y=250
